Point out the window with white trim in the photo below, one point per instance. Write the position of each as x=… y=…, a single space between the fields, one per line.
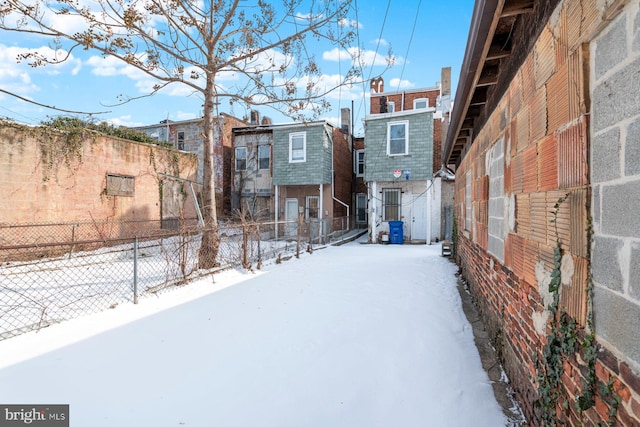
x=359 y=163
x=398 y=138
x=391 y=204
x=264 y=157
x=241 y=159
x=420 y=103
x=312 y=205
x=391 y=107
x=297 y=147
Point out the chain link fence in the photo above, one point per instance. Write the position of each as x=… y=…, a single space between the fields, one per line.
x=53 y=272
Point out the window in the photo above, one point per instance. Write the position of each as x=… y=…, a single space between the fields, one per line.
x=264 y=156
x=359 y=163
x=391 y=204
x=391 y=107
x=180 y=140
x=297 y=147
x=312 y=207
x=120 y=185
x=241 y=159
x=397 y=138
x=361 y=208
x=420 y=103
x=467 y=214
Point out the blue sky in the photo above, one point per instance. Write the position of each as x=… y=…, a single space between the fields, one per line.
x=87 y=82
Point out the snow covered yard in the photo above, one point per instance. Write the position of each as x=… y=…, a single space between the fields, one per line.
x=356 y=335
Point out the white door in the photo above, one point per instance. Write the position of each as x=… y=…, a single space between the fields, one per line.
x=419 y=220
x=291 y=214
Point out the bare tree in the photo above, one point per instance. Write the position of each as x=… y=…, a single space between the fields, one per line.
x=198 y=43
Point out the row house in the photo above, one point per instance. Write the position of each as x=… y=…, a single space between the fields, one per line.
x=402 y=162
x=360 y=191
x=284 y=171
x=187 y=135
x=544 y=142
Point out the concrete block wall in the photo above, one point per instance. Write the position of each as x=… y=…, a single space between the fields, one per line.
x=544 y=124
x=615 y=177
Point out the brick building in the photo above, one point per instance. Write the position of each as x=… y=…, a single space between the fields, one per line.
x=186 y=135
x=543 y=140
x=438 y=185
x=47 y=177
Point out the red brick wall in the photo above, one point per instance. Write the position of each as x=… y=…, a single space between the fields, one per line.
x=409 y=97
x=343 y=172
x=44 y=179
x=437 y=145
x=545 y=152
x=361 y=186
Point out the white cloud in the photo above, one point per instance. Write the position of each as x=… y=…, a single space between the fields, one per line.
x=380 y=42
x=363 y=57
x=395 y=83
x=124 y=121
x=346 y=22
x=17 y=76
x=308 y=16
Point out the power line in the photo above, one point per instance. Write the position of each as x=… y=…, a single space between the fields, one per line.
x=415 y=21
x=364 y=82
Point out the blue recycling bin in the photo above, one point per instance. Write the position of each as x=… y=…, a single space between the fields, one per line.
x=395 y=233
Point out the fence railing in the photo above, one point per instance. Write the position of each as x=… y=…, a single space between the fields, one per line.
x=53 y=272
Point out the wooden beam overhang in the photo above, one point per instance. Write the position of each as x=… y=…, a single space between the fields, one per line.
x=517 y=7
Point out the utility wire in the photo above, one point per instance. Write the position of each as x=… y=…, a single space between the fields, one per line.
x=415 y=21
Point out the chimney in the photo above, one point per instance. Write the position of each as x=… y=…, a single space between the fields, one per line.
x=345 y=120
x=383 y=104
x=266 y=121
x=377 y=85
x=445 y=86
x=255 y=117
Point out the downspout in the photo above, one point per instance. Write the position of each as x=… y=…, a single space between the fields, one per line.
x=333 y=187
x=277 y=207
x=372 y=211
x=402 y=106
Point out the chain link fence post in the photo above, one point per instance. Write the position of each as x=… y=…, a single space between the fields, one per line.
x=135 y=270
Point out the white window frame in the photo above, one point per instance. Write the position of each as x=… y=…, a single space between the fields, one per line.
x=391 y=107
x=358 y=163
x=268 y=157
x=405 y=123
x=239 y=149
x=416 y=101
x=292 y=136
x=385 y=191
x=307 y=210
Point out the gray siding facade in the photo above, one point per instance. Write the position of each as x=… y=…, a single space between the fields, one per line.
x=316 y=169
x=380 y=167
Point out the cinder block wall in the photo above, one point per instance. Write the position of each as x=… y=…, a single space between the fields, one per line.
x=615 y=177
x=47 y=177
x=532 y=152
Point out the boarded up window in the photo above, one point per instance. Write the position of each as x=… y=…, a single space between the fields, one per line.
x=120 y=185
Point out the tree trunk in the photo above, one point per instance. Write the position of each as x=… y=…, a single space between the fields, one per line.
x=210 y=240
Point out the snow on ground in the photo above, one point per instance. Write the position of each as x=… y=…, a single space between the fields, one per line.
x=356 y=335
